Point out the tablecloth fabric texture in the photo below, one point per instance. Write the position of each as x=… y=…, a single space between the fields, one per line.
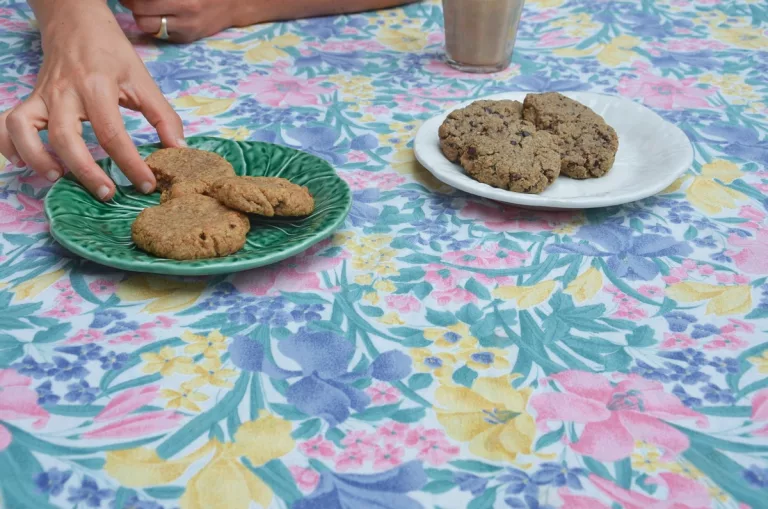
x=439 y=351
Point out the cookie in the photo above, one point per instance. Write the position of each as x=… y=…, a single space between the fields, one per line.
x=184 y=188
x=484 y=117
x=172 y=165
x=265 y=196
x=524 y=161
x=190 y=227
x=587 y=144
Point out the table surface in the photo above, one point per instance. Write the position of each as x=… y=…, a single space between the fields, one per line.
x=440 y=350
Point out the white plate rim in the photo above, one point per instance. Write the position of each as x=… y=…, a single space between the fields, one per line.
x=427 y=142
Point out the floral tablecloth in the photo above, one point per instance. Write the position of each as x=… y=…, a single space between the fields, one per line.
x=440 y=351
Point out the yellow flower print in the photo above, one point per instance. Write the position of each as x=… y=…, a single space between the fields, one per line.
x=547 y=4
x=761 y=363
x=354 y=88
x=618 y=51
x=711 y=197
x=577 y=25
x=723 y=300
x=491 y=416
x=718 y=494
x=208 y=346
x=453 y=336
x=371 y=297
x=569 y=227
x=743 y=37
x=685 y=469
x=385 y=285
x=185 y=397
x=272 y=49
x=239 y=134
x=403 y=39
x=646 y=461
x=724 y=171
x=33 y=287
x=485 y=358
x=166 y=294
x=526 y=296
x=712 y=18
x=224 y=481
x=364 y=279
x=167 y=363
x=204 y=106
x=371 y=255
x=439 y=364
x=392 y=318
x=210 y=372
x=586 y=285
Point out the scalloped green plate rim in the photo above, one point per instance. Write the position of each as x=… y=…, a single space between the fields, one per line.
x=100 y=231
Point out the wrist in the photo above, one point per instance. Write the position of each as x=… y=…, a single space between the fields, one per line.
x=54 y=14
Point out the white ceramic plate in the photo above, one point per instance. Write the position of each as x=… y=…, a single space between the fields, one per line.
x=652 y=154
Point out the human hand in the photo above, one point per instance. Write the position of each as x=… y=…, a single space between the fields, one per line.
x=89 y=68
x=190 y=20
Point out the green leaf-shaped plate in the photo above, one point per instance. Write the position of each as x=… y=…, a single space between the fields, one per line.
x=101 y=232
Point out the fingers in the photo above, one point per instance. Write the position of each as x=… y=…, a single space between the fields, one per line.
x=181 y=30
x=102 y=110
x=65 y=135
x=23 y=124
x=6 y=144
x=158 y=112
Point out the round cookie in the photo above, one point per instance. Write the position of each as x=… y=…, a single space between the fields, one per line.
x=548 y=110
x=481 y=117
x=525 y=161
x=265 y=196
x=190 y=227
x=172 y=165
x=588 y=149
x=184 y=188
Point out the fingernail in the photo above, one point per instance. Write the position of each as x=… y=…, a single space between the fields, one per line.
x=102 y=192
x=181 y=142
x=53 y=175
x=146 y=187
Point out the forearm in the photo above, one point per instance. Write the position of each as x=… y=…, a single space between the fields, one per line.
x=279 y=10
x=50 y=13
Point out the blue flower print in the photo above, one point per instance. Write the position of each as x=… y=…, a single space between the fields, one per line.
x=320 y=141
x=170 y=75
x=103 y=318
x=30 y=367
x=385 y=490
x=325 y=386
x=89 y=493
x=628 y=256
x=45 y=395
x=63 y=370
x=679 y=321
x=518 y=482
x=83 y=352
x=81 y=392
x=52 y=481
x=757 y=476
x=470 y=482
x=558 y=475
x=112 y=360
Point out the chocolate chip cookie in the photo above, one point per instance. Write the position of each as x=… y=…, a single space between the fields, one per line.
x=265 y=196
x=587 y=144
x=490 y=118
x=190 y=227
x=524 y=160
x=173 y=165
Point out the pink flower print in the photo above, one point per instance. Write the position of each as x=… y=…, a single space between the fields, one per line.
x=760 y=406
x=420 y=436
x=556 y=38
x=706 y=270
x=453 y=295
x=727 y=342
x=318 y=447
x=689 y=265
x=306 y=478
x=754 y=215
x=136 y=337
x=377 y=110
x=677 y=340
x=360 y=440
x=28 y=219
x=665 y=93
x=403 y=303
x=382 y=394
x=724 y=278
x=739 y=325
x=614 y=290
x=161 y=321
x=681 y=493
x=351 y=458
x=670 y=280
x=392 y=432
x=740 y=279
x=18 y=401
x=280 y=90
x=502 y=218
x=579 y=501
x=650 y=291
x=630 y=312
x=438 y=452
x=615 y=416
x=622 y=299
x=62 y=285
x=436 y=37
x=679 y=272
x=138 y=425
x=356 y=156
x=69 y=297
x=86 y=336
x=387 y=457
x=487 y=256
x=103 y=287
x=128 y=401
x=63 y=310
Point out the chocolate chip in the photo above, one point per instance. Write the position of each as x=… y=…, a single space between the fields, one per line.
x=513 y=142
x=524 y=134
x=515 y=176
x=471 y=151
